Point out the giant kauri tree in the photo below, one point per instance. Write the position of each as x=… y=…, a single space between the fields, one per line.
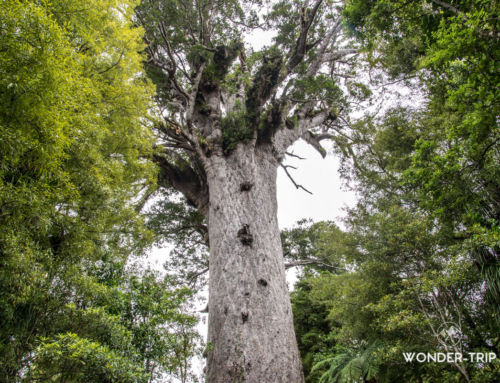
x=228 y=115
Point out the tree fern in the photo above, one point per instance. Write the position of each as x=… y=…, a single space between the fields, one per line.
x=349 y=367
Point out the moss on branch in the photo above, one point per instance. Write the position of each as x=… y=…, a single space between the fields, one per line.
x=235 y=128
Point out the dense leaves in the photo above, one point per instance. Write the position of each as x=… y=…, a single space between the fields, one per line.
x=75 y=160
x=421 y=248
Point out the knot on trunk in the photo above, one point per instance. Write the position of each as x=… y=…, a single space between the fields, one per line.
x=245 y=236
x=246 y=186
x=244 y=316
x=262 y=282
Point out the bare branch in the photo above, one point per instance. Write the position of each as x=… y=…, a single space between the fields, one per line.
x=294 y=155
x=335 y=55
x=324 y=136
x=311 y=139
x=297 y=186
x=204 y=310
x=194 y=276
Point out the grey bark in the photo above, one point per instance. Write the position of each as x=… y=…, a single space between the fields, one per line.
x=250 y=330
x=251 y=336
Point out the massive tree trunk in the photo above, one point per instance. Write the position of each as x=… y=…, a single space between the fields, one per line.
x=250 y=330
x=226 y=127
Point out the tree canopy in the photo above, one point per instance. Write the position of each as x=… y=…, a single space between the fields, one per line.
x=214 y=91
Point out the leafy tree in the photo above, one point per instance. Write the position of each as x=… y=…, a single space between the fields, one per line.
x=73 y=359
x=455 y=52
x=183 y=228
x=424 y=270
x=408 y=280
x=75 y=159
x=163 y=333
x=312 y=328
x=318 y=246
x=138 y=332
x=403 y=290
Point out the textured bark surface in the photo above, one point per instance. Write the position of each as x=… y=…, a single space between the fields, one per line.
x=227 y=126
x=250 y=330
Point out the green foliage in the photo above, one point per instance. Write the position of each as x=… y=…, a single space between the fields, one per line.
x=424 y=253
x=83 y=361
x=235 y=129
x=163 y=333
x=455 y=154
x=321 y=87
x=348 y=366
x=322 y=241
x=311 y=327
x=74 y=146
x=402 y=281
x=183 y=227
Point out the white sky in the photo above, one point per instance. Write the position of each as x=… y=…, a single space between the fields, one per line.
x=319 y=176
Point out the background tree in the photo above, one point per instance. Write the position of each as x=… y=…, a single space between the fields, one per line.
x=75 y=158
x=433 y=164
x=423 y=272
x=422 y=243
x=454 y=49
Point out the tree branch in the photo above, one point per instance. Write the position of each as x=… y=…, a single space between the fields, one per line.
x=294 y=155
x=311 y=139
x=183 y=178
x=286 y=137
x=330 y=37
x=114 y=64
x=194 y=276
x=192 y=97
x=297 y=186
x=171 y=71
x=300 y=50
x=335 y=55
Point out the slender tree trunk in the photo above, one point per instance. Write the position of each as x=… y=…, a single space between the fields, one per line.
x=250 y=331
